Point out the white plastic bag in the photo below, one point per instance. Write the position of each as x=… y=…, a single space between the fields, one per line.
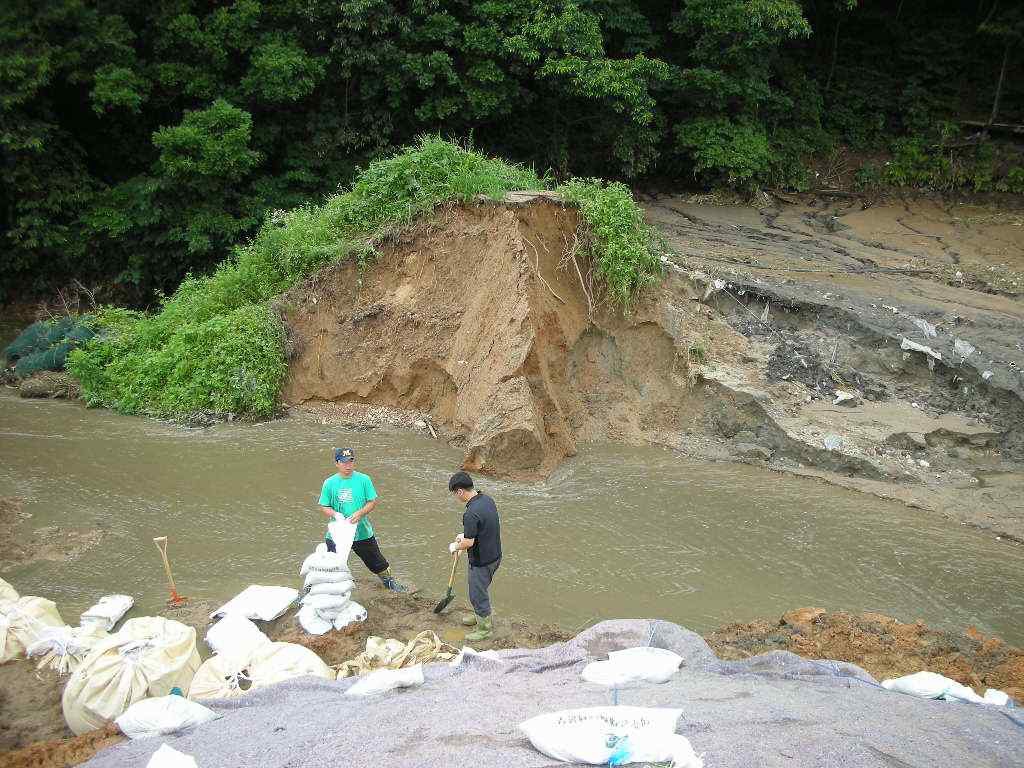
x=651 y=665
x=169 y=757
x=383 y=680
x=311 y=621
x=343 y=533
x=22 y=623
x=259 y=603
x=235 y=634
x=616 y=735
x=225 y=677
x=108 y=611
x=162 y=715
x=351 y=614
x=148 y=656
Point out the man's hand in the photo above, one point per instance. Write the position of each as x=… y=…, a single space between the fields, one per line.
x=459 y=538
x=454 y=547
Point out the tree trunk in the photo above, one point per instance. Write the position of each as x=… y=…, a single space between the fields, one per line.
x=999 y=85
x=835 y=54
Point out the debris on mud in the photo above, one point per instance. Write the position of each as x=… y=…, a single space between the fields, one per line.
x=20 y=545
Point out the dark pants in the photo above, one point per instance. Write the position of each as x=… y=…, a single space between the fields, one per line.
x=480 y=577
x=368 y=551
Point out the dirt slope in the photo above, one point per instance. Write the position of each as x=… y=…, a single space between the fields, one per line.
x=471 y=320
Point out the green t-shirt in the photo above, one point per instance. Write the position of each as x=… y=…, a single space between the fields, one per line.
x=347 y=496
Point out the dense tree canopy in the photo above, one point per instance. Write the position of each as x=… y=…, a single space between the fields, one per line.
x=141 y=141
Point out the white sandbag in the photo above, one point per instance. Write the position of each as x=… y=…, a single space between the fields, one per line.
x=383 y=680
x=169 y=757
x=343 y=533
x=325 y=602
x=352 y=613
x=616 y=735
x=22 y=622
x=63 y=649
x=162 y=715
x=931 y=685
x=259 y=603
x=641 y=664
x=322 y=577
x=311 y=622
x=108 y=611
x=332 y=588
x=324 y=561
x=236 y=635
x=225 y=677
x=7 y=592
x=148 y=656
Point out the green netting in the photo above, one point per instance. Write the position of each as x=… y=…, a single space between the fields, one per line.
x=30 y=340
x=51 y=359
x=58 y=331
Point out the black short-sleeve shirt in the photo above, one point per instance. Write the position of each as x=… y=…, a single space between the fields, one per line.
x=480 y=522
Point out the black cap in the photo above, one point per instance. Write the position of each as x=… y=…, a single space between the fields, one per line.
x=344 y=455
x=460 y=480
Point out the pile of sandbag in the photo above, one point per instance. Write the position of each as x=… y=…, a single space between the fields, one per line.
x=23 y=620
x=424 y=648
x=63 y=649
x=148 y=656
x=226 y=676
x=328 y=583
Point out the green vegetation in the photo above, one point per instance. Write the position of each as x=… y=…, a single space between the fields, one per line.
x=142 y=141
x=216 y=347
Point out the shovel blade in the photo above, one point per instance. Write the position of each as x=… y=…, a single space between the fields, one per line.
x=445 y=601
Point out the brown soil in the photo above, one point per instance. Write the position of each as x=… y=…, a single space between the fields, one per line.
x=62 y=753
x=21 y=545
x=880 y=644
x=478 y=320
x=30 y=708
x=50 y=384
x=404 y=616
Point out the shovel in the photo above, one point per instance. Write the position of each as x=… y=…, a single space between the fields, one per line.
x=450 y=594
x=176 y=599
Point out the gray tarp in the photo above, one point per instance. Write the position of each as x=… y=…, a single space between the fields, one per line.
x=771 y=710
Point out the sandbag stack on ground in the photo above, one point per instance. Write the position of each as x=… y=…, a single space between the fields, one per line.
x=230 y=675
x=63 y=649
x=148 y=656
x=328 y=584
x=23 y=621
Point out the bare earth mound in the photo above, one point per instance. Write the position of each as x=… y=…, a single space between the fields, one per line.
x=880 y=644
x=478 y=320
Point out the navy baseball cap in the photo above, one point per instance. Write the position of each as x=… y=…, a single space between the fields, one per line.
x=344 y=455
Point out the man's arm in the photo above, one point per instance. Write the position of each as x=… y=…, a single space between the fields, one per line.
x=363 y=511
x=327 y=511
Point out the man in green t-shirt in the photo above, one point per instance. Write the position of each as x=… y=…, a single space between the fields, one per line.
x=351 y=495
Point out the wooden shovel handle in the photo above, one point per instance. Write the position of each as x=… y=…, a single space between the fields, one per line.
x=455 y=561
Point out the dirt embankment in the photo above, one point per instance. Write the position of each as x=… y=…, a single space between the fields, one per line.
x=482 y=326
x=480 y=321
x=880 y=644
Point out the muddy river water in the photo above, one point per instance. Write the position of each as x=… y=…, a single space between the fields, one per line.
x=616 y=532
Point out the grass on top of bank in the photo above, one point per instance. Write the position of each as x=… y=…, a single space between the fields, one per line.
x=216 y=347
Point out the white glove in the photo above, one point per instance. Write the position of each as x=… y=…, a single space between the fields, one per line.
x=460 y=537
x=453 y=547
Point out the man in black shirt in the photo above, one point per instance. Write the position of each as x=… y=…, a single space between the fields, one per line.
x=481 y=535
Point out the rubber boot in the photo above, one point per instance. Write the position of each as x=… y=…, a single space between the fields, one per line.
x=469 y=620
x=390 y=582
x=482 y=632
